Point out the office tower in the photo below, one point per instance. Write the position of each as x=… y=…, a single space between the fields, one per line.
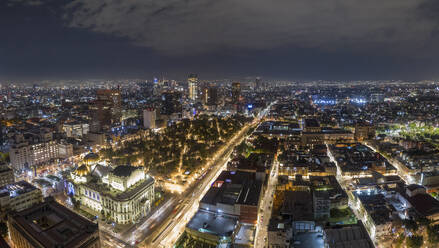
x=204 y=95
x=107 y=110
x=50 y=224
x=170 y=103
x=258 y=83
x=236 y=92
x=193 y=86
x=212 y=95
x=149 y=118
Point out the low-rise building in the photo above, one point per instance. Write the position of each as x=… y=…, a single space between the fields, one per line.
x=75 y=129
x=50 y=224
x=280 y=233
x=18 y=196
x=348 y=236
x=235 y=193
x=6 y=175
x=378 y=212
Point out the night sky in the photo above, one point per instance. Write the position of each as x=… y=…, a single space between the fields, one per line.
x=277 y=39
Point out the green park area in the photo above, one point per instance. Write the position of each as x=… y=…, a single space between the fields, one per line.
x=181 y=147
x=342 y=216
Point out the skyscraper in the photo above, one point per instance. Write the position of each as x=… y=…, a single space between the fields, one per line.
x=212 y=95
x=107 y=110
x=204 y=95
x=258 y=83
x=193 y=86
x=170 y=103
x=236 y=92
x=149 y=117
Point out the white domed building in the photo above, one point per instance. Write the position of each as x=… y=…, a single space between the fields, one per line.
x=122 y=194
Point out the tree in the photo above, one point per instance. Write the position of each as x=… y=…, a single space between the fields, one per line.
x=414 y=241
x=400 y=240
x=424 y=221
x=433 y=234
x=411 y=225
x=3 y=229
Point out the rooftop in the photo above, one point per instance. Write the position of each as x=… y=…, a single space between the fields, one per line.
x=308 y=240
x=234 y=188
x=208 y=222
x=53 y=225
x=124 y=170
x=424 y=204
x=4 y=168
x=347 y=237
x=298 y=204
x=16 y=189
x=118 y=195
x=311 y=123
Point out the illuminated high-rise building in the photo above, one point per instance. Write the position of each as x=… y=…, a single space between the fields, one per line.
x=212 y=95
x=193 y=86
x=107 y=110
x=149 y=118
x=204 y=95
x=258 y=83
x=236 y=92
x=170 y=103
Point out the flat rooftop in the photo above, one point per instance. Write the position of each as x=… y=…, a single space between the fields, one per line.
x=53 y=225
x=298 y=204
x=213 y=223
x=16 y=189
x=245 y=235
x=234 y=187
x=308 y=240
x=311 y=123
x=348 y=236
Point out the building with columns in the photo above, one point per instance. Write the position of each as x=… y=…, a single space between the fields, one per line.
x=122 y=194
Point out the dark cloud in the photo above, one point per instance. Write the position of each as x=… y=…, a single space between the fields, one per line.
x=305 y=39
x=179 y=27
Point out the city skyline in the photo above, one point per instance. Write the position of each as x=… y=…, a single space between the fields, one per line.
x=206 y=123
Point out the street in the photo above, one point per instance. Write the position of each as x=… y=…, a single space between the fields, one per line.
x=265 y=207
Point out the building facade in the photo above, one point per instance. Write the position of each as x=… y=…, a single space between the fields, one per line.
x=29 y=150
x=149 y=118
x=193 y=86
x=6 y=175
x=106 y=110
x=123 y=194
